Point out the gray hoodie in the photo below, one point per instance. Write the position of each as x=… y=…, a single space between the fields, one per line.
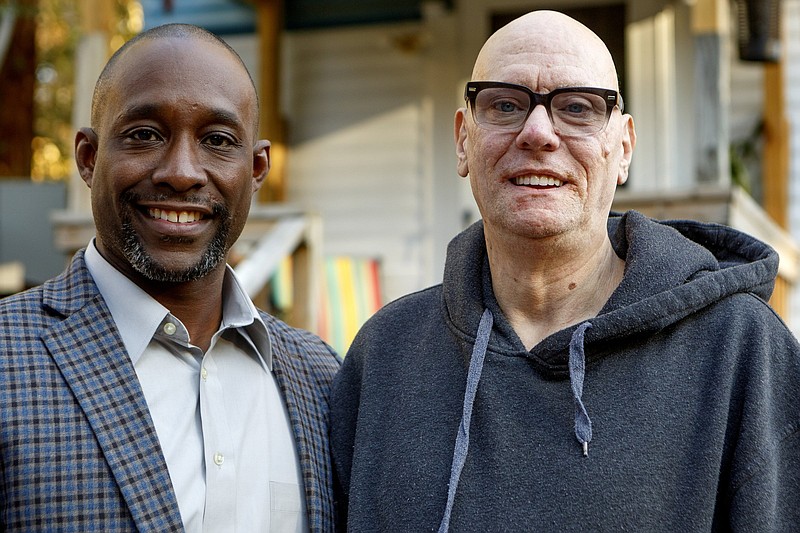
x=677 y=408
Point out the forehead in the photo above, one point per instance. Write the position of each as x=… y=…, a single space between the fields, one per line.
x=545 y=55
x=186 y=73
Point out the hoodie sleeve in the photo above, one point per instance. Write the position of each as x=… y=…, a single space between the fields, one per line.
x=769 y=501
x=763 y=488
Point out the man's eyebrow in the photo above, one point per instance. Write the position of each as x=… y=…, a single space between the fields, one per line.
x=152 y=111
x=137 y=112
x=229 y=118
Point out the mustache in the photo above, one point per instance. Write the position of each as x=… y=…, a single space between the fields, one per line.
x=216 y=208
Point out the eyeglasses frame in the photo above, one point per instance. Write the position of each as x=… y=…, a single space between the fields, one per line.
x=611 y=97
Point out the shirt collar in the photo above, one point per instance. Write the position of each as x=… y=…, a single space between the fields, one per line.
x=137 y=315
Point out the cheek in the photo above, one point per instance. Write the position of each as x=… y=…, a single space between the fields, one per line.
x=238 y=192
x=102 y=184
x=493 y=148
x=612 y=145
x=597 y=158
x=123 y=173
x=484 y=149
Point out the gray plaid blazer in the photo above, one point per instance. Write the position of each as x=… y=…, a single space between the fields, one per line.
x=78 y=448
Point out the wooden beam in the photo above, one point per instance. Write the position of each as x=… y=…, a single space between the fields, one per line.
x=709 y=16
x=775 y=160
x=270 y=28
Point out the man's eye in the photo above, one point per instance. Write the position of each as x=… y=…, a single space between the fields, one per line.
x=507 y=107
x=576 y=108
x=217 y=139
x=144 y=135
x=579 y=105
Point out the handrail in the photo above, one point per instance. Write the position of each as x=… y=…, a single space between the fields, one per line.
x=258 y=266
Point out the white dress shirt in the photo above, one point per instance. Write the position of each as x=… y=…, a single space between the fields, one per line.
x=219 y=415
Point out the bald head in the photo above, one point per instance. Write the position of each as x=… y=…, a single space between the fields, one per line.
x=548 y=46
x=166 y=31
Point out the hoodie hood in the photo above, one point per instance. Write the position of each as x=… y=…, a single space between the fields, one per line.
x=672 y=269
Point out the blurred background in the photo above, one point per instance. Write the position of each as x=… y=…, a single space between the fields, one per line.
x=358 y=98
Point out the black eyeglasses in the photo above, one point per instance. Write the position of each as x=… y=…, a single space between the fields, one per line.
x=573 y=111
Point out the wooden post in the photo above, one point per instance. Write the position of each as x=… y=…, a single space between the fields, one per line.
x=775 y=165
x=270 y=27
x=775 y=160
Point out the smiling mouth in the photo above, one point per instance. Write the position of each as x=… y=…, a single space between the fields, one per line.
x=181 y=217
x=538 y=181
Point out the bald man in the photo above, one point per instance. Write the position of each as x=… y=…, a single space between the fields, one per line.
x=142 y=390
x=575 y=371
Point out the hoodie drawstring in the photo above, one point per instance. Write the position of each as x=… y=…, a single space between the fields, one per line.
x=577 y=371
x=462 y=439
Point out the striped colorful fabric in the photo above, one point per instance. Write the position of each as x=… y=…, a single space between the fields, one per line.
x=351 y=293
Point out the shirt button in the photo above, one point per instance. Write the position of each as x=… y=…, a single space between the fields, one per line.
x=219 y=459
x=169 y=328
x=204 y=373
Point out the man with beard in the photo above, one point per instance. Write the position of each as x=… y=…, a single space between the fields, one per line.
x=574 y=371
x=141 y=390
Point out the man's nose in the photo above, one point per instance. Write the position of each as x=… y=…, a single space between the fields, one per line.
x=538 y=130
x=181 y=168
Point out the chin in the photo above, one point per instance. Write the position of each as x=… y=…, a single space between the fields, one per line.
x=175 y=267
x=160 y=273
x=537 y=225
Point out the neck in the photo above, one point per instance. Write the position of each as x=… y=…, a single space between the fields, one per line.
x=541 y=292
x=197 y=304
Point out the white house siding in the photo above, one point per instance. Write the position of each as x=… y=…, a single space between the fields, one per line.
x=652 y=88
x=791 y=36
x=357 y=133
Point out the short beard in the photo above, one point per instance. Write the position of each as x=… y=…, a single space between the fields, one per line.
x=144 y=264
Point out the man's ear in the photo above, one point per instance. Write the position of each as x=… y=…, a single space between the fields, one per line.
x=86 y=153
x=460 y=133
x=261 y=163
x=628 y=144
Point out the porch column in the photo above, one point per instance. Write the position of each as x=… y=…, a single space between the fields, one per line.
x=710 y=19
x=91 y=55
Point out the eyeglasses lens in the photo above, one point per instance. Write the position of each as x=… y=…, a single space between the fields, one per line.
x=571 y=113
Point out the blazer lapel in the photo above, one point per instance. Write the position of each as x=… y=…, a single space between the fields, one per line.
x=93 y=361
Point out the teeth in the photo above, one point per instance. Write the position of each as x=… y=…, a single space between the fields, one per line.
x=182 y=217
x=541 y=181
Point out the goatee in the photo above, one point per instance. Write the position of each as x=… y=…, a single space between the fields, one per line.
x=144 y=264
